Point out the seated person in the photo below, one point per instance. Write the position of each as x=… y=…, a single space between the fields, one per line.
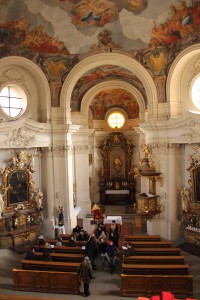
x=46 y=255
x=48 y=246
x=130 y=251
x=71 y=242
x=83 y=236
x=59 y=242
x=77 y=229
x=41 y=241
x=30 y=255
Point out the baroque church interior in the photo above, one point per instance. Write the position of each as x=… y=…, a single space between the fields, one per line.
x=99 y=104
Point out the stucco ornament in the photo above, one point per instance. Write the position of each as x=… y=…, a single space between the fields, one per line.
x=21 y=137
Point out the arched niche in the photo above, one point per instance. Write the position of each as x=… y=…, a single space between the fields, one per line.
x=82 y=117
x=103 y=59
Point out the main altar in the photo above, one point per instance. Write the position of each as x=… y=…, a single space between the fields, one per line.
x=117 y=185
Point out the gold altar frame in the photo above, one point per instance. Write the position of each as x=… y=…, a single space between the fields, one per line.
x=195 y=176
x=17 y=184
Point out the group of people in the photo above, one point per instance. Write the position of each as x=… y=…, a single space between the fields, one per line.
x=101 y=245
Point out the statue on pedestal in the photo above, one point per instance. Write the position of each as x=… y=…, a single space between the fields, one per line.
x=60 y=215
x=185 y=198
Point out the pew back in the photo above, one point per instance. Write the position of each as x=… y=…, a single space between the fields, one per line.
x=133 y=285
x=49 y=265
x=142 y=237
x=65 y=249
x=45 y=281
x=157 y=251
x=67 y=257
x=156 y=260
x=138 y=269
x=149 y=244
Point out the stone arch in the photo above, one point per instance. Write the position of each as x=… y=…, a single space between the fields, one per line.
x=179 y=80
x=30 y=77
x=103 y=59
x=110 y=84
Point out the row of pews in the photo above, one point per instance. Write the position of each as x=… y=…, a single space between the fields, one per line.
x=57 y=276
x=156 y=267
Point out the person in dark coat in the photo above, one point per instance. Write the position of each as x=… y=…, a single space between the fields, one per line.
x=91 y=249
x=77 y=229
x=102 y=246
x=46 y=255
x=130 y=251
x=85 y=273
x=30 y=255
x=114 y=234
x=71 y=242
x=83 y=236
x=111 y=253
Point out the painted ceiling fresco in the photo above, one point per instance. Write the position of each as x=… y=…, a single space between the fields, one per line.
x=97 y=75
x=114 y=98
x=66 y=26
x=56 y=34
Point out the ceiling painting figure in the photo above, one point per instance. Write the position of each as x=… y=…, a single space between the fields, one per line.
x=86 y=13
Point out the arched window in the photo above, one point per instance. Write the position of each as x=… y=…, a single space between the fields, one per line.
x=116 y=120
x=195 y=93
x=13 y=101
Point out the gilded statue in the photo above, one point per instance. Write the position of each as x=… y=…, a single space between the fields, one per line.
x=1 y=206
x=117 y=166
x=185 y=198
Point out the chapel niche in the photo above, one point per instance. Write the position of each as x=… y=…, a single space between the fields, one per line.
x=116 y=185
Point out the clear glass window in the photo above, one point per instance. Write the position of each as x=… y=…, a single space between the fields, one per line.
x=12 y=101
x=116 y=120
x=196 y=93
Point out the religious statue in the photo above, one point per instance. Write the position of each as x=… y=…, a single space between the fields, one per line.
x=39 y=199
x=185 y=198
x=1 y=206
x=117 y=165
x=60 y=215
x=101 y=172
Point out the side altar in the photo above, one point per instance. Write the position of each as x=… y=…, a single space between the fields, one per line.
x=21 y=204
x=117 y=185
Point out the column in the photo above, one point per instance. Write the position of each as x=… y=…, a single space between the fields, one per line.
x=171 y=209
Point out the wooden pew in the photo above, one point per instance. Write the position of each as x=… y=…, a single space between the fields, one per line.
x=49 y=265
x=161 y=244
x=64 y=242
x=67 y=257
x=65 y=236
x=155 y=260
x=148 y=285
x=45 y=281
x=65 y=249
x=17 y=297
x=158 y=251
x=142 y=237
x=138 y=269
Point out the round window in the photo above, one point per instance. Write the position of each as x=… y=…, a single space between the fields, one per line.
x=196 y=93
x=116 y=120
x=13 y=101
